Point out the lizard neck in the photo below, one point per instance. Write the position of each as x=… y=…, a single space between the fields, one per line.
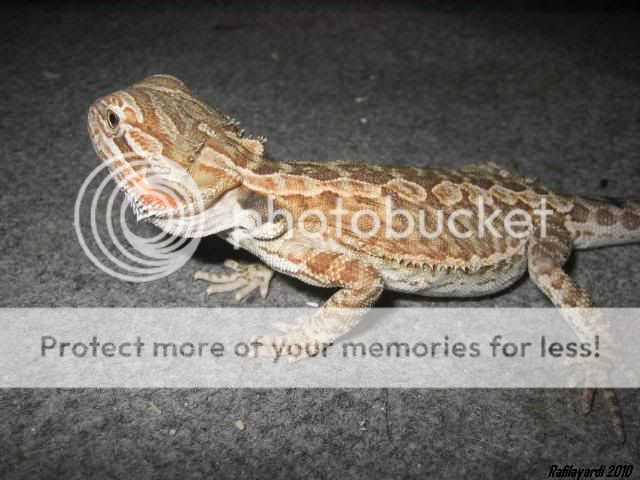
x=228 y=152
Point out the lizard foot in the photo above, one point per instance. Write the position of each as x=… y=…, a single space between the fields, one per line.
x=243 y=279
x=299 y=340
x=291 y=347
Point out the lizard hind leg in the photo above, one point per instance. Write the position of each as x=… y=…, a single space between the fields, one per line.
x=547 y=255
x=243 y=279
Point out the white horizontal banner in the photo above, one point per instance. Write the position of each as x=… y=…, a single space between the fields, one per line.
x=403 y=348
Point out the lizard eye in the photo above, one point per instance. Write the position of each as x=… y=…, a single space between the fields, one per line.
x=112 y=119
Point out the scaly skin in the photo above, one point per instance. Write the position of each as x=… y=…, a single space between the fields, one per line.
x=159 y=122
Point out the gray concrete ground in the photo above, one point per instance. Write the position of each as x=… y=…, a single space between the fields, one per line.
x=552 y=95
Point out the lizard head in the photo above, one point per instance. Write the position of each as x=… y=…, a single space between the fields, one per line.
x=149 y=134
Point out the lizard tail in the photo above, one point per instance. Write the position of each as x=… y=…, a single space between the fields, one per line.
x=602 y=221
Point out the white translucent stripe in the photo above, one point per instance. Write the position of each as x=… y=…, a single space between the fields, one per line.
x=403 y=348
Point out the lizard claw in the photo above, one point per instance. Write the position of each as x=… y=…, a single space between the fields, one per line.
x=243 y=279
x=586 y=402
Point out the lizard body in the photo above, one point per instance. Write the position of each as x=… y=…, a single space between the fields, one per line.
x=160 y=122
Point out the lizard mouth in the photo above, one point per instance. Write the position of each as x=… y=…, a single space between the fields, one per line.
x=148 y=196
x=155 y=192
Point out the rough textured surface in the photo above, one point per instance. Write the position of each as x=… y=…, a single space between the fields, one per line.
x=549 y=95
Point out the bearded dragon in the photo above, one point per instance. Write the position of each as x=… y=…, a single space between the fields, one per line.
x=216 y=180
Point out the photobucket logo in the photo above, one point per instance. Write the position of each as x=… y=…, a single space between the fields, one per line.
x=396 y=223
x=153 y=191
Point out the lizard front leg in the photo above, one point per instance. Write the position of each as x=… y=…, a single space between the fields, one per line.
x=547 y=255
x=360 y=286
